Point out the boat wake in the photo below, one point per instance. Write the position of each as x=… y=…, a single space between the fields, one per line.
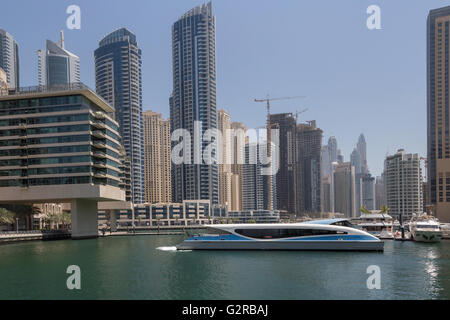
x=171 y=249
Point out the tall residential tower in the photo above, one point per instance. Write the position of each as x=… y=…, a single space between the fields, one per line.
x=118 y=81
x=193 y=102
x=9 y=58
x=157 y=152
x=438 y=111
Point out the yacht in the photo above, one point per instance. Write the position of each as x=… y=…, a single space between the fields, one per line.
x=331 y=234
x=379 y=224
x=425 y=228
x=445 y=228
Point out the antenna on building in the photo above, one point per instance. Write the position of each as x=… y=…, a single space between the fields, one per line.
x=62 y=39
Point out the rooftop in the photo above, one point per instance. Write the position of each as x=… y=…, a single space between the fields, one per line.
x=55 y=90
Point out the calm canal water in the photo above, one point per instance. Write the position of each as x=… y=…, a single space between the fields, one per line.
x=132 y=267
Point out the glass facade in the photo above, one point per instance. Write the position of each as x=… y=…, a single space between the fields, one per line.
x=118 y=81
x=194 y=99
x=59 y=139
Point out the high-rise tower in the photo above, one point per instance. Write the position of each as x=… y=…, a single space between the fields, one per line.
x=193 y=102
x=56 y=65
x=157 y=162
x=9 y=58
x=118 y=81
x=438 y=111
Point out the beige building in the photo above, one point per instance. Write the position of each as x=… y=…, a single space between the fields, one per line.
x=344 y=190
x=438 y=115
x=3 y=83
x=225 y=174
x=239 y=140
x=157 y=158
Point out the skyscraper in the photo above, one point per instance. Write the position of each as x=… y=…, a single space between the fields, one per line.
x=344 y=190
x=118 y=81
x=9 y=58
x=329 y=162
x=56 y=65
x=380 y=192
x=333 y=149
x=157 y=158
x=361 y=146
x=4 y=87
x=367 y=192
x=308 y=149
x=256 y=190
x=438 y=111
x=286 y=123
x=403 y=180
x=225 y=174
x=239 y=140
x=193 y=101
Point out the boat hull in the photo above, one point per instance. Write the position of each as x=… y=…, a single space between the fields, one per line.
x=283 y=245
x=427 y=236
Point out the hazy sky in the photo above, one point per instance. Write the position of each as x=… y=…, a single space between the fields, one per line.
x=354 y=79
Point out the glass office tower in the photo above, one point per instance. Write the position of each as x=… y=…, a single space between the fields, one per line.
x=57 y=66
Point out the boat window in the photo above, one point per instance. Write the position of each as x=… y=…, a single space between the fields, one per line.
x=214 y=231
x=343 y=223
x=426 y=226
x=284 y=233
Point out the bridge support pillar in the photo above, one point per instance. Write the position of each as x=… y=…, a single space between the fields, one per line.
x=113 y=220
x=84 y=219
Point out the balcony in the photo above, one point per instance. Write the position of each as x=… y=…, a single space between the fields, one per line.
x=99 y=115
x=100 y=174
x=98 y=124
x=99 y=164
x=99 y=154
x=99 y=144
x=99 y=134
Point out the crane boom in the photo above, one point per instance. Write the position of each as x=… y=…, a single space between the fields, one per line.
x=269 y=144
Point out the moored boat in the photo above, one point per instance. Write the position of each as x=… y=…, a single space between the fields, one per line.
x=332 y=234
x=425 y=228
x=376 y=223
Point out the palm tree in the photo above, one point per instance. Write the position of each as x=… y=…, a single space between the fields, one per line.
x=6 y=216
x=363 y=209
x=22 y=211
x=384 y=209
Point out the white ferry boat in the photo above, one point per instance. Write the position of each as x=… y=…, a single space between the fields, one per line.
x=381 y=225
x=331 y=234
x=425 y=228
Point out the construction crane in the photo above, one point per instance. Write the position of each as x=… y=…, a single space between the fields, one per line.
x=269 y=144
x=299 y=112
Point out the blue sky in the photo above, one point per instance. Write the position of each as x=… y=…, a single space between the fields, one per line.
x=354 y=79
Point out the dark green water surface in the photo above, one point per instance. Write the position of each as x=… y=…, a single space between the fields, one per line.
x=144 y=267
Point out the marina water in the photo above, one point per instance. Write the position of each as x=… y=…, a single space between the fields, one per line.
x=149 y=267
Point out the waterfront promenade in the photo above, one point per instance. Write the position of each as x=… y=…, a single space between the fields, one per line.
x=13 y=236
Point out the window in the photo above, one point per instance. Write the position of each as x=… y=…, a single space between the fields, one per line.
x=284 y=233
